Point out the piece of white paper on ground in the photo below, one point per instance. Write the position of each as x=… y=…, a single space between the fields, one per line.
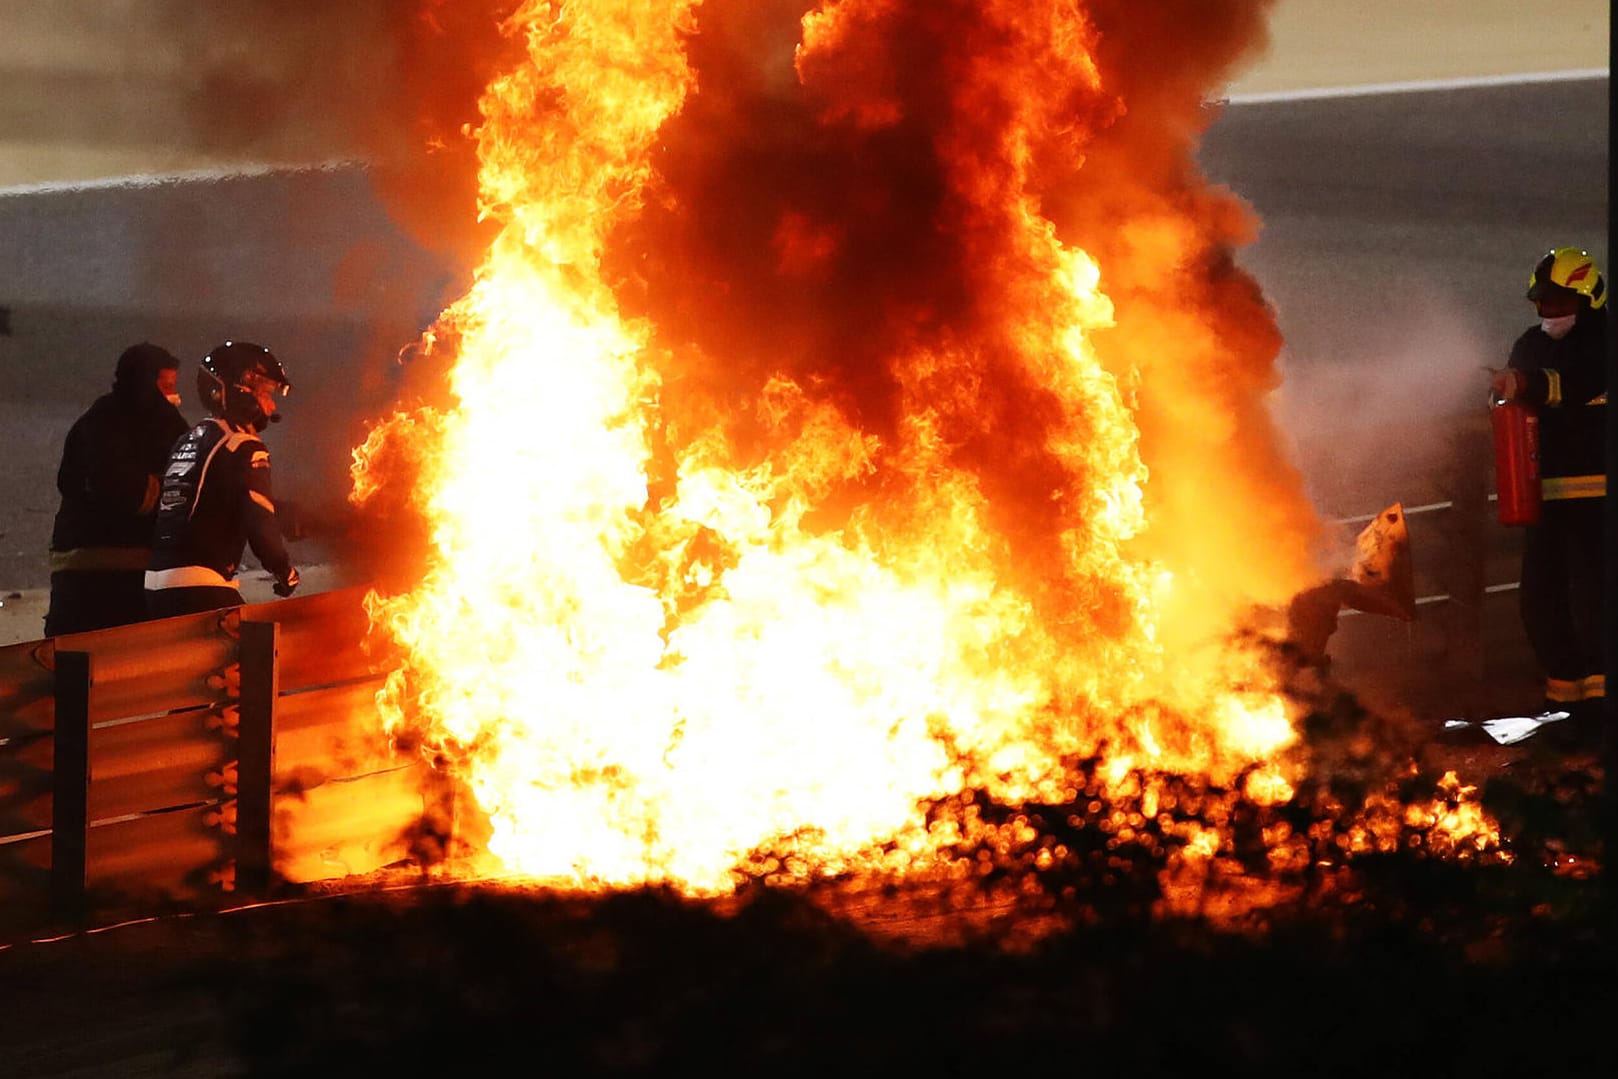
x=1509 y=730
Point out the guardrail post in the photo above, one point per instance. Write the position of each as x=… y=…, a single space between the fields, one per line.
x=70 y=787
x=255 y=766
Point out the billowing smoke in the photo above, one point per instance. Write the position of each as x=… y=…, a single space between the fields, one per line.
x=1378 y=399
x=301 y=82
x=826 y=206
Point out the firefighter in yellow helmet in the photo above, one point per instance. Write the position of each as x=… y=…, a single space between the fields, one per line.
x=1559 y=365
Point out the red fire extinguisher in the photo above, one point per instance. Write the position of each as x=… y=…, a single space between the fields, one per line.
x=1516 y=460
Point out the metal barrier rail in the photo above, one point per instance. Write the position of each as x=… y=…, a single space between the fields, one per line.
x=187 y=759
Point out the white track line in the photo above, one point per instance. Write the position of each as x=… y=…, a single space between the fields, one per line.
x=1470 y=82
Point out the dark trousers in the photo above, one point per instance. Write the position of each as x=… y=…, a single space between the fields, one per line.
x=1561 y=591
x=169 y=602
x=83 y=600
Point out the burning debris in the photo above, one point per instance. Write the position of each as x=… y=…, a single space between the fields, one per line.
x=854 y=459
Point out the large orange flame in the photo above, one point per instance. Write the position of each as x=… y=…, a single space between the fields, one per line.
x=797 y=471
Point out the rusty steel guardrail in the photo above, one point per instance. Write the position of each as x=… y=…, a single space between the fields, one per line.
x=193 y=760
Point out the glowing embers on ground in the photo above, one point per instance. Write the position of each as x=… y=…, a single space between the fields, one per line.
x=696 y=597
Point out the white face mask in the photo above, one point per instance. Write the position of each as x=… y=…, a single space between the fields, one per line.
x=173 y=399
x=1557 y=328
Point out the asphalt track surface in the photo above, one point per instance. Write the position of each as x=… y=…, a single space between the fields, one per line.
x=1396 y=232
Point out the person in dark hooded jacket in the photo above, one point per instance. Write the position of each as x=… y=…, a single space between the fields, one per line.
x=109 y=477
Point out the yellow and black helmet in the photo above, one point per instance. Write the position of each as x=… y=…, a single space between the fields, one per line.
x=1569 y=268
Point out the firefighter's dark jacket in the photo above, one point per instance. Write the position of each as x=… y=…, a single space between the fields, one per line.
x=215 y=499
x=108 y=477
x=1567 y=379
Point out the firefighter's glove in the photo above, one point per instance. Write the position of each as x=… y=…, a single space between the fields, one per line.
x=286 y=585
x=1506 y=384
